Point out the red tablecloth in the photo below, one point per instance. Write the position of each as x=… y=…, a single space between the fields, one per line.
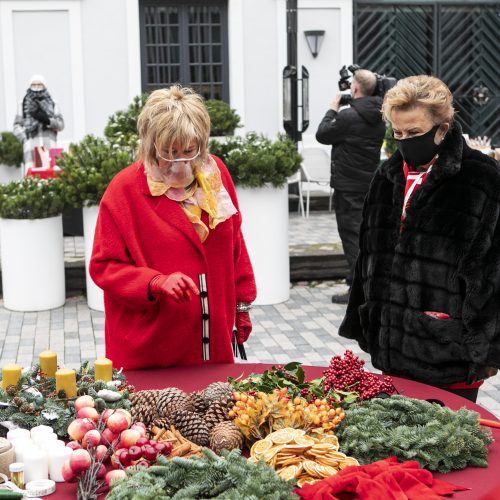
x=480 y=480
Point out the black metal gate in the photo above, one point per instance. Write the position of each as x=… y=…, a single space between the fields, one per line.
x=457 y=41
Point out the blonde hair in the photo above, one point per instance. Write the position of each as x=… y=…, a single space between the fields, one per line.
x=367 y=81
x=428 y=92
x=176 y=115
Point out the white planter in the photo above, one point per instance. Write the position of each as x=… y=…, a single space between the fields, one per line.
x=32 y=256
x=95 y=296
x=265 y=228
x=10 y=174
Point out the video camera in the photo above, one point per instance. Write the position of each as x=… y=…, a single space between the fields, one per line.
x=384 y=83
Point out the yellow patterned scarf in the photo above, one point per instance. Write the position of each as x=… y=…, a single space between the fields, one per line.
x=206 y=193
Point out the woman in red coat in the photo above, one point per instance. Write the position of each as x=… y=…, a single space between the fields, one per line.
x=168 y=248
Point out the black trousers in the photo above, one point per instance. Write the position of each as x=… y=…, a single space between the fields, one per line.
x=348 y=208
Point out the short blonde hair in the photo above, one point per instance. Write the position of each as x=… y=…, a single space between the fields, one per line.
x=173 y=115
x=425 y=91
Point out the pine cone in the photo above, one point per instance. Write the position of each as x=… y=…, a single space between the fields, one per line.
x=18 y=401
x=11 y=390
x=217 y=390
x=225 y=435
x=162 y=423
x=144 y=406
x=218 y=411
x=172 y=399
x=192 y=426
x=24 y=408
x=200 y=404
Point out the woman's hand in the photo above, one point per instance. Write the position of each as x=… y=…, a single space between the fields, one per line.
x=176 y=286
x=243 y=327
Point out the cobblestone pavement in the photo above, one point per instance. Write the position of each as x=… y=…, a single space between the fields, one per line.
x=304 y=328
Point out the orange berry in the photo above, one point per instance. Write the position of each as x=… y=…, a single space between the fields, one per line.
x=231 y=413
x=338 y=410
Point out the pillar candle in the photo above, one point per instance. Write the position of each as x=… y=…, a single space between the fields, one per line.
x=10 y=375
x=41 y=431
x=57 y=457
x=66 y=381
x=48 y=363
x=18 y=433
x=36 y=464
x=21 y=449
x=103 y=369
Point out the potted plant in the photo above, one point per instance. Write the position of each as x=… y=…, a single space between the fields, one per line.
x=32 y=249
x=260 y=169
x=223 y=119
x=11 y=157
x=87 y=169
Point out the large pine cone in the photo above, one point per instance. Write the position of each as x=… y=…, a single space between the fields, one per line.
x=217 y=391
x=144 y=406
x=225 y=435
x=171 y=400
x=192 y=426
x=218 y=411
x=200 y=404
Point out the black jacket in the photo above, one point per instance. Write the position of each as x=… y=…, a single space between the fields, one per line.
x=356 y=134
x=446 y=258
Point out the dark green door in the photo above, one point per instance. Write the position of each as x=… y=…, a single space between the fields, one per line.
x=457 y=41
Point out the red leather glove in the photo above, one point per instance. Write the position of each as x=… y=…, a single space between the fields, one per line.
x=243 y=327
x=176 y=286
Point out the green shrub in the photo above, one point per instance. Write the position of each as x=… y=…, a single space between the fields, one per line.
x=255 y=160
x=223 y=119
x=389 y=143
x=88 y=168
x=122 y=125
x=31 y=198
x=11 y=150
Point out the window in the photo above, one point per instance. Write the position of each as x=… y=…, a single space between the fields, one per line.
x=185 y=42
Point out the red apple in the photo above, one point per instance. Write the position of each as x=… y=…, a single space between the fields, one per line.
x=128 y=438
x=127 y=415
x=135 y=452
x=100 y=452
x=142 y=430
x=106 y=414
x=91 y=439
x=84 y=401
x=74 y=445
x=152 y=442
x=67 y=472
x=163 y=449
x=113 y=475
x=79 y=427
x=101 y=473
x=142 y=463
x=88 y=412
x=114 y=458
x=124 y=458
x=117 y=422
x=79 y=461
x=108 y=437
x=150 y=453
x=141 y=424
x=142 y=441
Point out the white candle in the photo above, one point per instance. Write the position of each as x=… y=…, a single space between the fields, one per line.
x=50 y=444
x=43 y=437
x=36 y=465
x=57 y=457
x=23 y=448
x=18 y=433
x=40 y=430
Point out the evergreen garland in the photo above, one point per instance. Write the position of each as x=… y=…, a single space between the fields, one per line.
x=230 y=477
x=438 y=438
x=34 y=400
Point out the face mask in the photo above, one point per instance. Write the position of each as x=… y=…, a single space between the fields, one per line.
x=178 y=175
x=419 y=150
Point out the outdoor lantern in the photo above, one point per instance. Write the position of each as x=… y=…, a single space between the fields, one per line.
x=314 y=39
x=305 y=99
x=290 y=101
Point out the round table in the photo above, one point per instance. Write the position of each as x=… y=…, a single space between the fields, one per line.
x=193 y=378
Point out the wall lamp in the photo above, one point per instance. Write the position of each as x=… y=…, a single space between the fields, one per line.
x=314 y=40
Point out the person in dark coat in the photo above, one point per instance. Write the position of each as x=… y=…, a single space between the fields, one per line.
x=356 y=134
x=425 y=300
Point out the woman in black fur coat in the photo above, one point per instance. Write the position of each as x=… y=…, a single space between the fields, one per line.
x=425 y=301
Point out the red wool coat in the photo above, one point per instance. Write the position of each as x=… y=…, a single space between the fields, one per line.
x=139 y=236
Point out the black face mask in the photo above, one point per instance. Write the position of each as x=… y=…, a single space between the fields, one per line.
x=419 y=150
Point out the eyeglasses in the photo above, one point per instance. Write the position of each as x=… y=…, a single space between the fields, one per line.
x=174 y=160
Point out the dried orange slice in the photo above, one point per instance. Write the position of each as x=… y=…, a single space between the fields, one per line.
x=260 y=447
x=282 y=436
x=289 y=472
x=347 y=462
x=304 y=440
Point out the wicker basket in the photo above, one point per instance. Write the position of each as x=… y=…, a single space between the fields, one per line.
x=7 y=456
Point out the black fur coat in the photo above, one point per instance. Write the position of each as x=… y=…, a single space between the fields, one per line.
x=446 y=258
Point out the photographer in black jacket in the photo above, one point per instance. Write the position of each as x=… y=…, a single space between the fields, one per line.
x=356 y=134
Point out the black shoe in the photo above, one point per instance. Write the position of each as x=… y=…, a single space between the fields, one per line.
x=340 y=298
